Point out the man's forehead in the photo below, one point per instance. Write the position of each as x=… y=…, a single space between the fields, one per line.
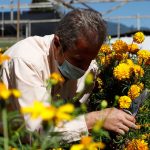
x=83 y=45
x=83 y=50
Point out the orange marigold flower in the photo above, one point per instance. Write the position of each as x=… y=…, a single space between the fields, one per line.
x=133 y=48
x=140 y=61
x=138 y=70
x=129 y=62
x=134 y=91
x=147 y=62
x=121 y=56
x=144 y=54
x=105 y=60
x=87 y=144
x=120 y=46
x=144 y=57
x=138 y=37
x=86 y=140
x=3 y=58
x=124 y=102
x=138 y=126
x=105 y=48
x=137 y=144
x=122 y=71
x=140 y=85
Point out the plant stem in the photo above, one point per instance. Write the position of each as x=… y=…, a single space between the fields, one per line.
x=5 y=128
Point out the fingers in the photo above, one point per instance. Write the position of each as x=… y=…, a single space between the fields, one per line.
x=129 y=124
x=124 y=127
x=130 y=118
x=120 y=131
x=121 y=128
x=125 y=123
x=119 y=121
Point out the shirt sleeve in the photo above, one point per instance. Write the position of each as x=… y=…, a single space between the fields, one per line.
x=26 y=77
x=73 y=130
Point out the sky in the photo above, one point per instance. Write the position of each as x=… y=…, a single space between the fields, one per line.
x=129 y=9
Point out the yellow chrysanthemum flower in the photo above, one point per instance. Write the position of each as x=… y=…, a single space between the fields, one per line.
x=133 y=48
x=145 y=54
x=48 y=113
x=3 y=58
x=137 y=144
x=138 y=70
x=88 y=144
x=106 y=60
x=56 y=78
x=138 y=37
x=134 y=91
x=86 y=140
x=105 y=48
x=120 y=46
x=124 y=102
x=143 y=57
x=140 y=85
x=147 y=62
x=39 y=110
x=4 y=92
x=121 y=56
x=129 y=62
x=63 y=113
x=16 y=93
x=140 y=61
x=122 y=71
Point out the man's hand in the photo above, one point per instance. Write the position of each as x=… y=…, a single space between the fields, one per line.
x=114 y=119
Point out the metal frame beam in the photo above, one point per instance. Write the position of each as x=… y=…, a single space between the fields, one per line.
x=98 y=1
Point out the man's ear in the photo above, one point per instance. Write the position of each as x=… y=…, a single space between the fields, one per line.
x=56 y=41
x=57 y=47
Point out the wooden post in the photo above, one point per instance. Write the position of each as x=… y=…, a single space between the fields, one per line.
x=18 y=20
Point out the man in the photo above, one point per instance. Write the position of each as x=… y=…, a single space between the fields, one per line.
x=69 y=52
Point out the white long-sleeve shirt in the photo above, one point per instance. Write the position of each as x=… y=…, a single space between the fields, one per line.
x=32 y=61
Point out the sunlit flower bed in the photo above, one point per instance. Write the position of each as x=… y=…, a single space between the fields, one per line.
x=124 y=75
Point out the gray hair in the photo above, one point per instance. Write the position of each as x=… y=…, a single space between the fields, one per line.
x=81 y=23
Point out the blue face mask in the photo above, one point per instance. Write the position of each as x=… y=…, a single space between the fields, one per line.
x=70 y=71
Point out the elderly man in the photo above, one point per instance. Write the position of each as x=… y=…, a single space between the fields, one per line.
x=69 y=52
